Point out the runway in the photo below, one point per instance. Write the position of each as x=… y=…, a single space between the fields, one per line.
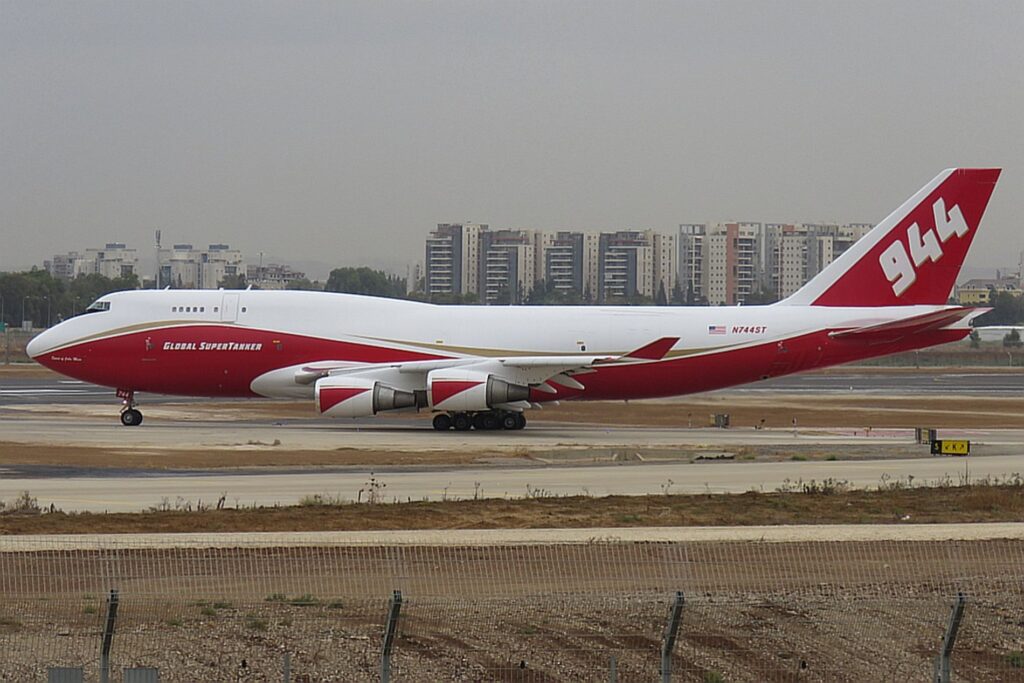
x=20 y=390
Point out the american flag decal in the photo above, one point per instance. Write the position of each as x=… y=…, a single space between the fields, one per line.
x=716 y=329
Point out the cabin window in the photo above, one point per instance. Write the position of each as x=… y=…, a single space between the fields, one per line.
x=243 y=309
x=202 y=309
x=174 y=309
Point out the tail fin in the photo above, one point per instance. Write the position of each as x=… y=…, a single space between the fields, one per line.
x=914 y=255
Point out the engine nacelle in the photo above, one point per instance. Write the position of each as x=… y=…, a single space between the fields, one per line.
x=343 y=396
x=462 y=390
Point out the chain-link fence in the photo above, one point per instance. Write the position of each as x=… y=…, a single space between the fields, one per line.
x=748 y=611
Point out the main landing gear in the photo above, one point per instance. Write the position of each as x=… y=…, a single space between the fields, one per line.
x=130 y=415
x=484 y=420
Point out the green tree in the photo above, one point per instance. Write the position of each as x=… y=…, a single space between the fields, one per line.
x=760 y=297
x=1012 y=339
x=304 y=284
x=661 y=299
x=975 y=339
x=1007 y=309
x=367 y=281
x=236 y=281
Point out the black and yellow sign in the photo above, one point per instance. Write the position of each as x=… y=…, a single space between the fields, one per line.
x=951 y=447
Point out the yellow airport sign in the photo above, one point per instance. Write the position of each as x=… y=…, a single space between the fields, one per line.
x=951 y=447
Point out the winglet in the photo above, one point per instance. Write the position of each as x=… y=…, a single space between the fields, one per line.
x=656 y=350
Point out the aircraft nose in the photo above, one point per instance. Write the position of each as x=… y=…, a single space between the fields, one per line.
x=37 y=345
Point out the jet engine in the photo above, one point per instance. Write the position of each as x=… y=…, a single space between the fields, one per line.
x=343 y=396
x=466 y=390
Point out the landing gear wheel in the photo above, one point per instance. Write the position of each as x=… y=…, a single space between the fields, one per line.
x=462 y=422
x=490 y=421
x=442 y=422
x=510 y=421
x=480 y=421
x=131 y=417
x=520 y=420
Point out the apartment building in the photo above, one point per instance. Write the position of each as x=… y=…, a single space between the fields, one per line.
x=507 y=265
x=113 y=260
x=732 y=262
x=184 y=266
x=452 y=264
x=272 y=276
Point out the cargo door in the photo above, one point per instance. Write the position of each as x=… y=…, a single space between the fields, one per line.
x=229 y=308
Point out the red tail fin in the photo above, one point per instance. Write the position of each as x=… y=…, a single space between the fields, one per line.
x=914 y=255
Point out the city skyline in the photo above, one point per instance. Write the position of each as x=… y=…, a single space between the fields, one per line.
x=342 y=131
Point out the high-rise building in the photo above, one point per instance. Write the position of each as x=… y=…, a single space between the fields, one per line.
x=562 y=257
x=69 y=266
x=452 y=264
x=625 y=265
x=795 y=253
x=507 y=265
x=691 y=261
x=732 y=262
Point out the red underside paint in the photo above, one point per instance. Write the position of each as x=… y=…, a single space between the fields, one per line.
x=143 y=361
x=128 y=362
x=442 y=390
x=332 y=396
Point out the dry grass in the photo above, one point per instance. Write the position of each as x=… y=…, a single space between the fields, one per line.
x=980 y=503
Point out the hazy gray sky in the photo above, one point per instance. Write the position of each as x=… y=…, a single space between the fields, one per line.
x=343 y=131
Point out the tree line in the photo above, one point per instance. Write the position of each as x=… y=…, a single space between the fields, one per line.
x=45 y=300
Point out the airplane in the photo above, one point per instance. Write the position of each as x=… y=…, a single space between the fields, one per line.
x=481 y=367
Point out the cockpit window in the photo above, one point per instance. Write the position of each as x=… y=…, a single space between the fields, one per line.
x=98 y=306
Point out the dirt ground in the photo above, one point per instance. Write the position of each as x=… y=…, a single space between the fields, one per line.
x=811 y=502
x=752 y=611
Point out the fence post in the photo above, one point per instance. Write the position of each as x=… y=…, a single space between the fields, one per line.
x=394 y=609
x=943 y=669
x=108 y=636
x=286 y=665
x=613 y=670
x=668 y=642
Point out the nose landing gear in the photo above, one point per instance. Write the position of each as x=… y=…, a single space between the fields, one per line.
x=130 y=415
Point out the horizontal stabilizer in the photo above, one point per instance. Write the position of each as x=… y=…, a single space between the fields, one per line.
x=890 y=331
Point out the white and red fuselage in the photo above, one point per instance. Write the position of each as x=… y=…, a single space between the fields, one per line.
x=884 y=295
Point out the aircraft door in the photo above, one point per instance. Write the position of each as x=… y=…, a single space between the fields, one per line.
x=229 y=308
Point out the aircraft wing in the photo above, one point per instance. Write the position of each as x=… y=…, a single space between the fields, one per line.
x=530 y=370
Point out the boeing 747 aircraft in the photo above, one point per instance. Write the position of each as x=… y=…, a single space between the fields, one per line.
x=483 y=366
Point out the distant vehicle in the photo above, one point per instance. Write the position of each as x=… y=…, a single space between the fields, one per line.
x=483 y=366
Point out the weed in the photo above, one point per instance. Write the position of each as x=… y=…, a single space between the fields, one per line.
x=276 y=597
x=256 y=624
x=321 y=500
x=208 y=611
x=173 y=622
x=222 y=605
x=798 y=458
x=374 y=490
x=9 y=625
x=305 y=600
x=712 y=677
x=89 y=609
x=335 y=604
x=1015 y=659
